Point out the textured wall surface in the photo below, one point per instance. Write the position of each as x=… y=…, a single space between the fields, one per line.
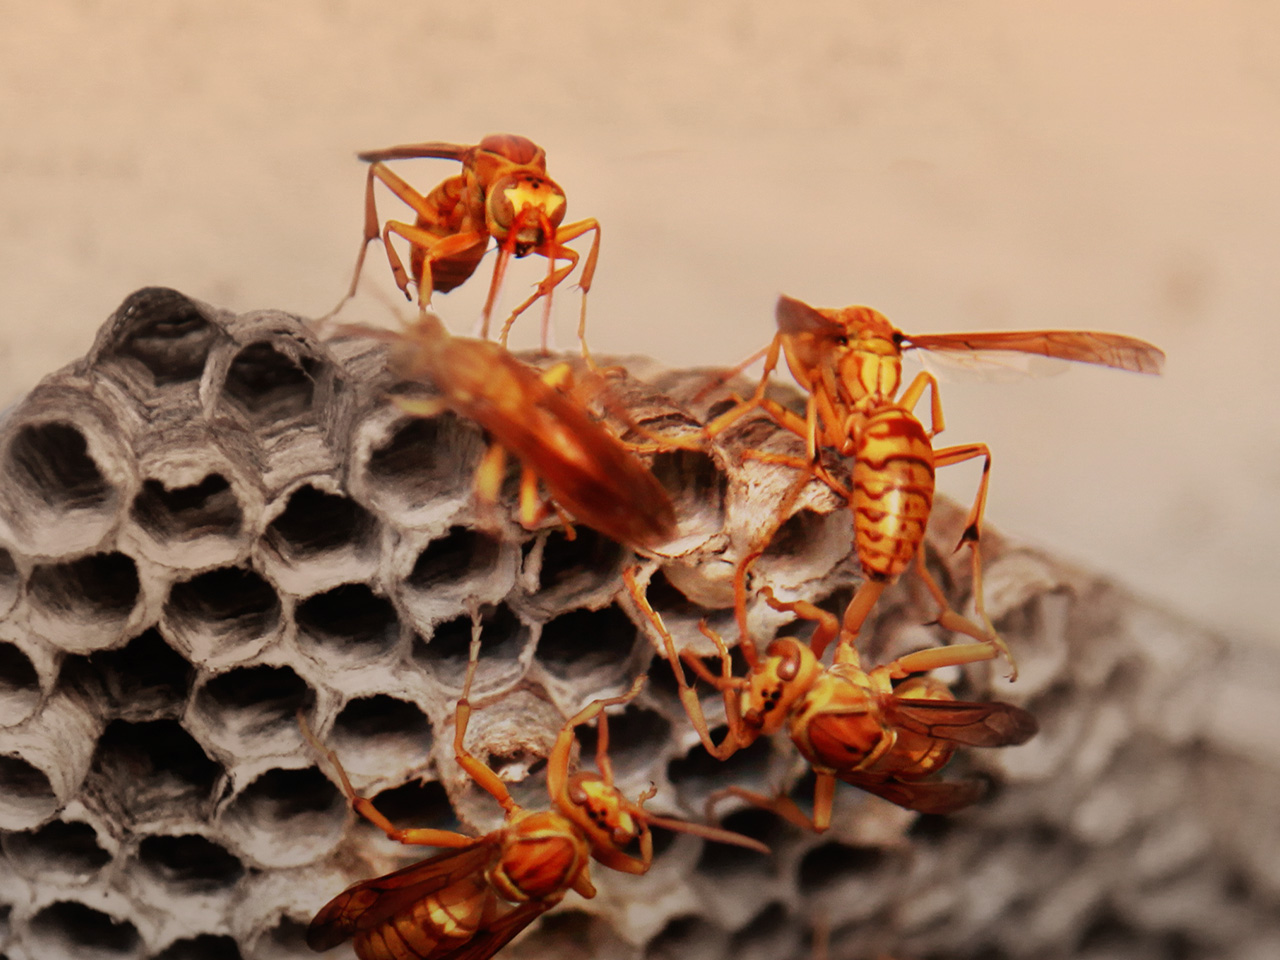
x=215 y=521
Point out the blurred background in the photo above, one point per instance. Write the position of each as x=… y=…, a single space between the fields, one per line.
x=995 y=164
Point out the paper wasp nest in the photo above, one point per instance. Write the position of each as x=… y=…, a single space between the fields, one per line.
x=213 y=522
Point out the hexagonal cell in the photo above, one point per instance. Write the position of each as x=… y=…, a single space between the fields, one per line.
x=502 y=638
x=832 y=864
x=138 y=681
x=687 y=937
x=26 y=794
x=416 y=470
x=348 y=625
x=459 y=568
x=20 y=687
x=188 y=864
x=182 y=514
x=417 y=803
x=575 y=572
x=159 y=331
x=84 y=604
x=251 y=711
x=284 y=940
x=696 y=485
x=286 y=817
x=59 y=498
x=69 y=928
x=224 y=615
x=697 y=773
x=581 y=645
x=151 y=771
x=768 y=935
x=204 y=946
x=682 y=617
x=321 y=536
x=637 y=739
x=724 y=862
x=269 y=387
x=64 y=850
x=379 y=735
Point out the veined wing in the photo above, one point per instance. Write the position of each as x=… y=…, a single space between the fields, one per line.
x=1082 y=346
x=979 y=724
x=925 y=796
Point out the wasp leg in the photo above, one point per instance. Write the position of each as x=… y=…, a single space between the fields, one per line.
x=824 y=792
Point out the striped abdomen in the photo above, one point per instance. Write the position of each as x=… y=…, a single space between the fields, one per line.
x=433 y=925
x=892 y=491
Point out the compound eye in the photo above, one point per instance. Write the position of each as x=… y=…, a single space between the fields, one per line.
x=789 y=668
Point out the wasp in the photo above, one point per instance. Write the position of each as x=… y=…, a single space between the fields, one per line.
x=849 y=362
x=587 y=470
x=469 y=901
x=503 y=192
x=887 y=730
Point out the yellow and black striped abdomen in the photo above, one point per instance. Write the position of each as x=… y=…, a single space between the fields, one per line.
x=892 y=491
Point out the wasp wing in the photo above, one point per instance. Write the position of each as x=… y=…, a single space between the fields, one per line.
x=981 y=724
x=925 y=796
x=1082 y=346
x=369 y=902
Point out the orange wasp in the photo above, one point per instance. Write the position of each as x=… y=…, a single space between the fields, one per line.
x=469 y=901
x=502 y=192
x=587 y=469
x=850 y=362
x=849 y=723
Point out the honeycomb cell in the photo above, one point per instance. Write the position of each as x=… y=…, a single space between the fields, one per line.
x=64 y=850
x=580 y=644
x=223 y=616
x=151 y=771
x=830 y=865
x=637 y=738
x=683 y=617
x=10 y=582
x=380 y=735
x=697 y=773
x=270 y=387
x=251 y=711
x=26 y=794
x=175 y=517
x=84 y=604
x=575 y=572
x=348 y=625
x=687 y=937
x=188 y=864
x=58 y=498
x=285 y=940
x=141 y=680
x=204 y=946
x=768 y=935
x=502 y=638
x=20 y=687
x=724 y=863
x=453 y=572
x=319 y=538
x=69 y=928
x=417 y=803
x=416 y=470
x=807 y=546
x=286 y=818
x=159 y=331
x=697 y=486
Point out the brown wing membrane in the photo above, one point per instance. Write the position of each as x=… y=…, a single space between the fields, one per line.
x=415 y=151
x=1082 y=346
x=370 y=902
x=928 y=796
x=796 y=317
x=498 y=934
x=957 y=721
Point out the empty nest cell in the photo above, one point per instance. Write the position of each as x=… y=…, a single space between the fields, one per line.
x=204 y=946
x=58 y=497
x=26 y=793
x=454 y=572
x=421 y=469
x=67 y=850
x=315 y=523
x=251 y=711
x=348 y=625
x=160 y=331
x=20 y=688
x=84 y=604
x=578 y=645
x=379 y=734
x=144 y=678
x=183 y=514
x=697 y=487
x=269 y=387
x=286 y=817
x=69 y=928
x=224 y=615
x=637 y=738
x=188 y=864
x=575 y=571
x=502 y=638
x=151 y=771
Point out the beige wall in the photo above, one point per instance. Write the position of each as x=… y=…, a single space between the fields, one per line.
x=959 y=166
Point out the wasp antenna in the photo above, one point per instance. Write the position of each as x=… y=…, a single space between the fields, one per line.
x=707 y=832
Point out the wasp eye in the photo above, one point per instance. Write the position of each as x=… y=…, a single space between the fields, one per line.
x=789 y=668
x=578 y=794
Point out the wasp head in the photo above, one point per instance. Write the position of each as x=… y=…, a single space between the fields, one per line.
x=523 y=209
x=777 y=683
x=604 y=814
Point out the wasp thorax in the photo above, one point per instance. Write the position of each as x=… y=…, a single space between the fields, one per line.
x=542 y=861
x=525 y=205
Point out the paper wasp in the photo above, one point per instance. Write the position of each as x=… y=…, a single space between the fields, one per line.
x=587 y=470
x=502 y=192
x=851 y=724
x=850 y=363
x=469 y=901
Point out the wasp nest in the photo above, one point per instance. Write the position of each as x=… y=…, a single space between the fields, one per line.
x=214 y=522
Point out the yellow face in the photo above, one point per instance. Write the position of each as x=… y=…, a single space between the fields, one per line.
x=777 y=683
x=529 y=204
x=602 y=811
